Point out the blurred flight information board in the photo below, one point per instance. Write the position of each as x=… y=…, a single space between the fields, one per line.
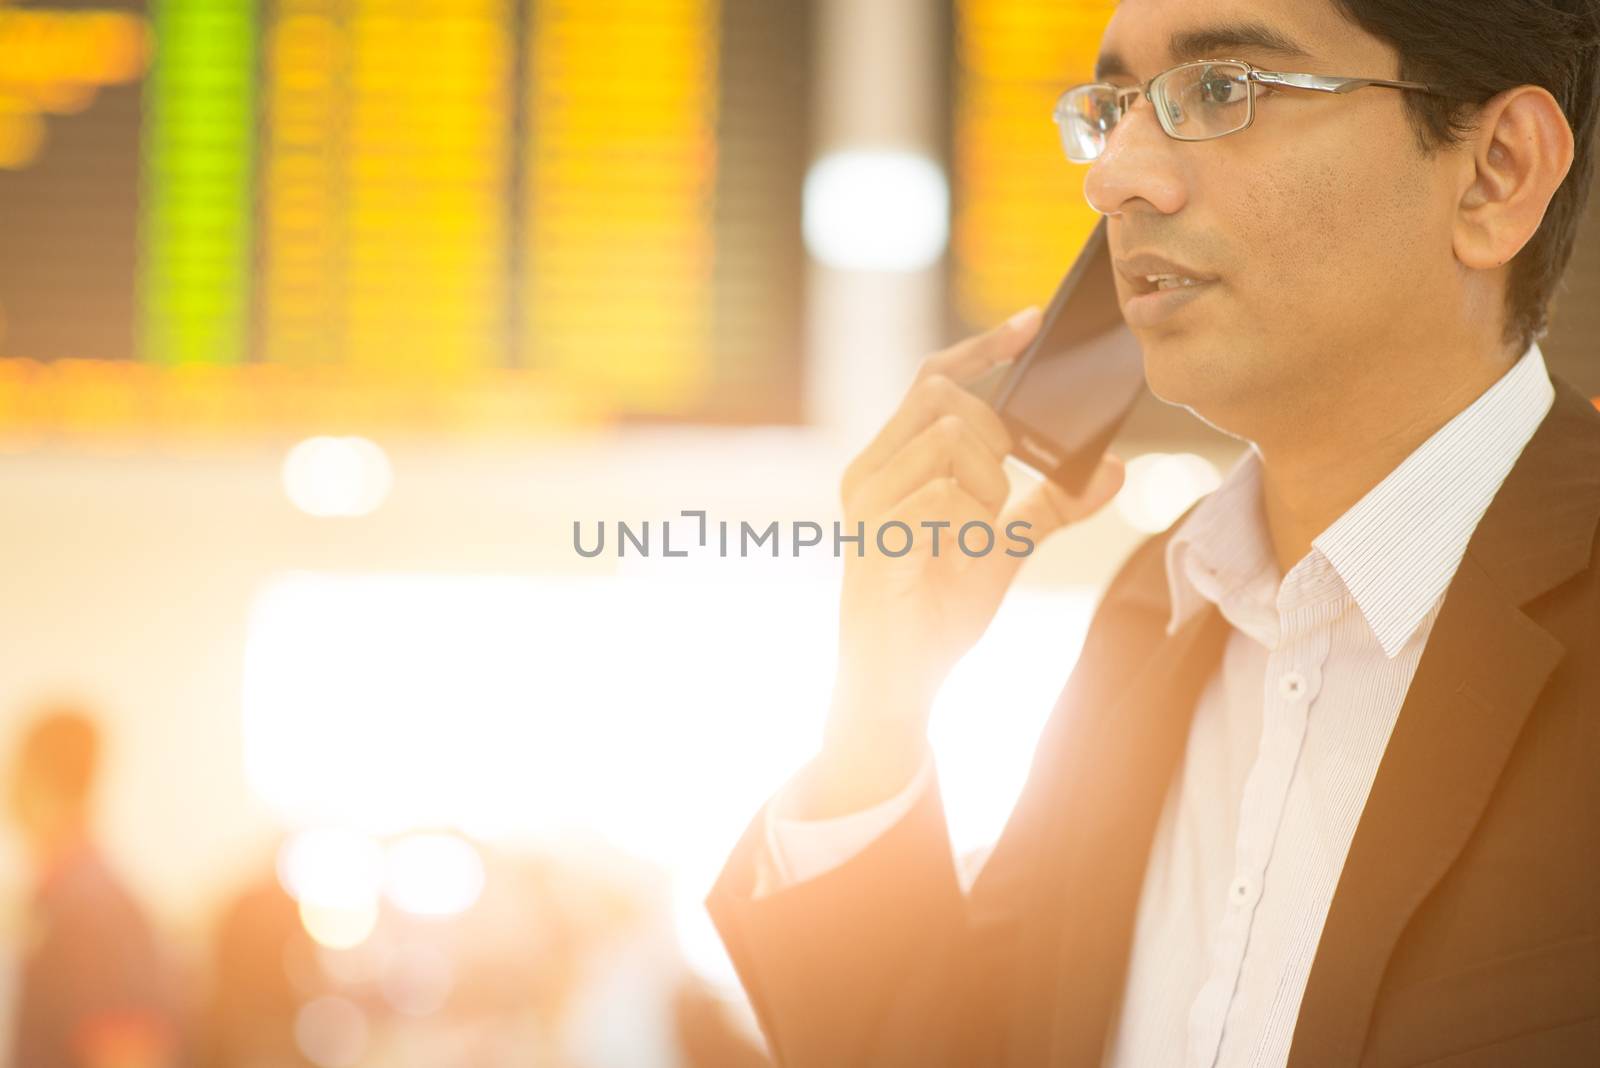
x=1019 y=211
x=430 y=213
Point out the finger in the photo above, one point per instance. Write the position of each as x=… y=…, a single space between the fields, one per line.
x=1048 y=507
x=929 y=399
x=946 y=447
x=942 y=500
x=968 y=360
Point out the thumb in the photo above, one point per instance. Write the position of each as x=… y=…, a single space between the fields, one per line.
x=1048 y=507
x=969 y=360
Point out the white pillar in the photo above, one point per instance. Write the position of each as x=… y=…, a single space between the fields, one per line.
x=879 y=76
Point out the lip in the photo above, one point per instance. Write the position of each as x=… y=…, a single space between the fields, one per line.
x=1149 y=306
x=1154 y=308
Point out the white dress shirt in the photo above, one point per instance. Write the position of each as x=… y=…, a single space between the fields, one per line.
x=1285 y=741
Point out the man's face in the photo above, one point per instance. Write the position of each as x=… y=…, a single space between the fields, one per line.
x=1324 y=227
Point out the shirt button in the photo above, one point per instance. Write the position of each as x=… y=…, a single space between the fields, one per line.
x=1239 y=892
x=1292 y=685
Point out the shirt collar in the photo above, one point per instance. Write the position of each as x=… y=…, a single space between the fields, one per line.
x=1223 y=548
x=1398 y=547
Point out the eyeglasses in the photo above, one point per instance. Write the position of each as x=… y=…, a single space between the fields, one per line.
x=1194 y=102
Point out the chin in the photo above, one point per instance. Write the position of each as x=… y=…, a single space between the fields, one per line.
x=1174 y=366
x=1188 y=371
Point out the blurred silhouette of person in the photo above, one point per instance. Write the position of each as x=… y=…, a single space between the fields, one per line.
x=94 y=990
x=263 y=965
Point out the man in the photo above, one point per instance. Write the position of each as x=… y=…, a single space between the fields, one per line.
x=1322 y=788
x=94 y=992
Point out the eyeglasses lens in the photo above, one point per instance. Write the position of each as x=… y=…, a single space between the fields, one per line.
x=1085 y=116
x=1194 y=102
x=1199 y=101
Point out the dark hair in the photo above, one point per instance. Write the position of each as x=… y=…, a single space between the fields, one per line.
x=1477 y=49
x=61 y=753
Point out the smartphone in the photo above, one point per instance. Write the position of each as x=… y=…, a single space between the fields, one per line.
x=1067 y=395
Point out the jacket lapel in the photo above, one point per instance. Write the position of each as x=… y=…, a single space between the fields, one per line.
x=1114 y=810
x=1484 y=665
x=1109 y=761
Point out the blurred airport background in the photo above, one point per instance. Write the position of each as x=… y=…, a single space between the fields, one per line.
x=321 y=324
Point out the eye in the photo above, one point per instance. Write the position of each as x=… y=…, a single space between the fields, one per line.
x=1221 y=87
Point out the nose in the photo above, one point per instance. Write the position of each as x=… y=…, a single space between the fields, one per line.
x=1139 y=164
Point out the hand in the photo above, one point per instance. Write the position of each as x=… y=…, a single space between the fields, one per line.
x=906 y=620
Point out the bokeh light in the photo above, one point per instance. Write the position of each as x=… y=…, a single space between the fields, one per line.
x=1160 y=487
x=339 y=926
x=336 y=876
x=331 y=1032
x=337 y=476
x=331 y=867
x=433 y=874
x=877 y=211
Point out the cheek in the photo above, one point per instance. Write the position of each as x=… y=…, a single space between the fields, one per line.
x=1323 y=232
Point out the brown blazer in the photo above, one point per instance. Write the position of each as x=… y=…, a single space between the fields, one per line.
x=1465 y=930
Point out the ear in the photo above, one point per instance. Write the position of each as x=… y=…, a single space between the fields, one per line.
x=1521 y=152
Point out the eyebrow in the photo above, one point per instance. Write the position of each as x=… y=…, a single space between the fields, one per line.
x=1208 y=41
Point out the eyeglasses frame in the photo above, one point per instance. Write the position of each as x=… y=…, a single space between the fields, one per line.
x=1126 y=96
